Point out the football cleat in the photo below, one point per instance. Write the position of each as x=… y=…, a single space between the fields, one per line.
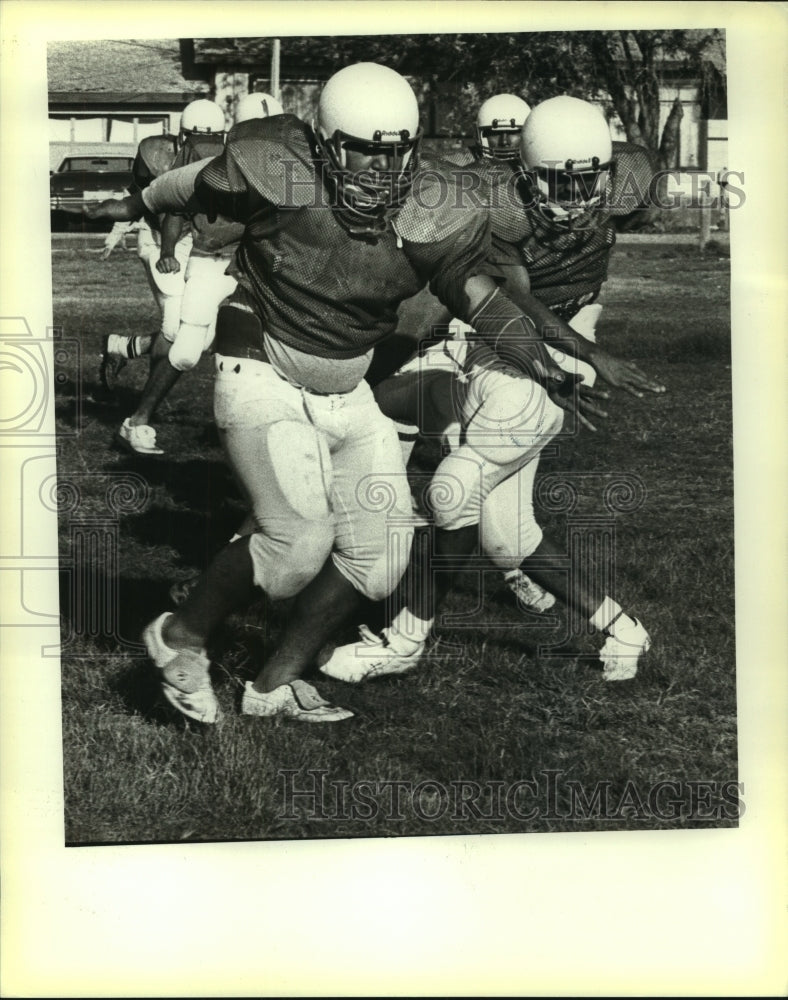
x=372 y=656
x=620 y=653
x=185 y=675
x=296 y=700
x=530 y=596
x=111 y=366
x=140 y=438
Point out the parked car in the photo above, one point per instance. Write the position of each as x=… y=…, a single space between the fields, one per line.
x=80 y=180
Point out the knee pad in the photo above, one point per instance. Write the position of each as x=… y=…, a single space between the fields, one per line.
x=284 y=566
x=458 y=487
x=508 y=419
x=207 y=286
x=188 y=347
x=170 y=306
x=509 y=531
x=377 y=575
x=585 y=321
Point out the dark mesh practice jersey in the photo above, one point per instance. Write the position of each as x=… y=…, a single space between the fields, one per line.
x=318 y=288
x=222 y=233
x=566 y=267
x=155 y=156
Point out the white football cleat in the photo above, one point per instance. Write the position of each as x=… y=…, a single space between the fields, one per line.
x=373 y=656
x=620 y=653
x=529 y=595
x=296 y=700
x=185 y=682
x=140 y=438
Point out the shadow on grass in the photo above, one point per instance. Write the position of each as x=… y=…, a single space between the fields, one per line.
x=108 y=612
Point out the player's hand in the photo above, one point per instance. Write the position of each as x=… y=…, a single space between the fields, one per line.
x=623 y=374
x=167 y=265
x=583 y=400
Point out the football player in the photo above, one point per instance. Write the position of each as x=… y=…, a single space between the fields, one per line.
x=206 y=282
x=335 y=240
x=200 y=120
x=194 y=269
x=552 y=219
x=155 y=154
x=499 y=122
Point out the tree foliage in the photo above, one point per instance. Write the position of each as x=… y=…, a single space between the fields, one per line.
x=453 y=73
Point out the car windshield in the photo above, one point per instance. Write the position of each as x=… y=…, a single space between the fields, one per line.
x=95 y=163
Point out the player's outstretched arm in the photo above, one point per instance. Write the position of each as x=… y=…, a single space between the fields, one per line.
x=615 y=371
x=126 y=209
x=500 y=324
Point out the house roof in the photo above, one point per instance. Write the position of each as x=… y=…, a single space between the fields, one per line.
x=144 y=67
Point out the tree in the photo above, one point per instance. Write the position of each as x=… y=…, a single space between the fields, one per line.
x=625 y=70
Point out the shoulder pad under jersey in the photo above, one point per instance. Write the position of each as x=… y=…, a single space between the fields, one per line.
x=155 y=156
x=274 y=157
x=509 y=214
x=444 y=199
x=635 y=168
x=463 y=157
x=198 y=147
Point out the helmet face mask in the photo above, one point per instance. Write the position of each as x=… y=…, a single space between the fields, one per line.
x=499 y=122
x=367 y=133
x=566 y=156
x=569 y=197
x=367 y=197
x=499 y=141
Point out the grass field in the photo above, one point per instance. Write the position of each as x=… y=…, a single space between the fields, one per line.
x=494 y=733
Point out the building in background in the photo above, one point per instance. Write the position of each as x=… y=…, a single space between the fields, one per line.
x=116 y=92
x=105 y=96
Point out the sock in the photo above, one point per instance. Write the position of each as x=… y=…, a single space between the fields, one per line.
x=139 y=345
x=118 y=345
x=605 y=614
x=407 y=632
x=609 y=617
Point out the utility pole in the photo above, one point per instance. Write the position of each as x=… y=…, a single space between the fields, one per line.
x=275 y=55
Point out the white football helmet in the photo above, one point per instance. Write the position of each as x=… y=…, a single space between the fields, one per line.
x=498 y=125
x=567 y=153
x=370 y=109
x=202 y=117
x=257 y=105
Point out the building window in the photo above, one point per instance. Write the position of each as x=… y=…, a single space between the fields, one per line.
x=90 y=127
